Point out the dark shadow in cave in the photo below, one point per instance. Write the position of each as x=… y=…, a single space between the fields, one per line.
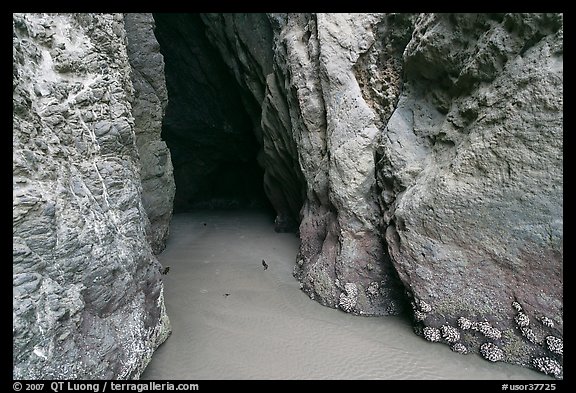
x=206 y=126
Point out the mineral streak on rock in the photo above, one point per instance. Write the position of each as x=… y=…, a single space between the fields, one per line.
x=87 y=293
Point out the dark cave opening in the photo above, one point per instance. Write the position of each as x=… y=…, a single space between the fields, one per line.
x=206 y=125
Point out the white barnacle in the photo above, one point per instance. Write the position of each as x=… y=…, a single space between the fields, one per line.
x=419 y=315
x=431 y=333
x=491 y=352
x=460 y=348
x=529 y=334
x=522 y=319
x=348 y=300
x=517 y=306
x=40 y=353
x=547 y=322
x=372 y=290
x=424 y=307
x=547 y=366
x=449 y=333
x=346 y=303
x=489 y=331
x=464 y=323
x=555 y=344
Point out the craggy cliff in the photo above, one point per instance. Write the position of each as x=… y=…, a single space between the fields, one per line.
x=419 y=157
x=87 y=295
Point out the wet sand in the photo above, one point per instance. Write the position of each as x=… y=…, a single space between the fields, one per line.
x=233 y=319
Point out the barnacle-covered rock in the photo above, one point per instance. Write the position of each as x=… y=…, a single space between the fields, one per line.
x=492 y=352
x=489 y=331
x=460 y=348
x=555 y=344
x=547 y=366
x=517 y=306
x=449 y=333
x=547 y=322
x=431 y=334
x=464 y=323
x=349 y=297
x=522 y=319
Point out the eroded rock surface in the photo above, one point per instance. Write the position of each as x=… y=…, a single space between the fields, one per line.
x=471 y=175
x=430 y=152
x=87 y=294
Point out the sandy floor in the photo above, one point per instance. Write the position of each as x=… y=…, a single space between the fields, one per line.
x=232 y=319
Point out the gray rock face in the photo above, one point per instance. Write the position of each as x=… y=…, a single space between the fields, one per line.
x=429 y=148
x=148 y=107
x=470 y=170
x=87 y=292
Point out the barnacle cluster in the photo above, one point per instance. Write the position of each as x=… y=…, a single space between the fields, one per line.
x=449 y=333
x=547 y=366
x=528 y=333
x=464 y=323
x=522 y=319
x=423 y=306
x=523 y=323
x=492 y=352
x=421 y=309
x=555 y=344
x=460 y=348
x=488 y=330
x=419 y=315
x=547 y=322
x=431 y=333
x=348 y=300
x=373 y=289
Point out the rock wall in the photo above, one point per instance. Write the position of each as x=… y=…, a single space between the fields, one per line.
x=87 y=290
x=471 y=176
x=429 y=151
x=148 y=107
